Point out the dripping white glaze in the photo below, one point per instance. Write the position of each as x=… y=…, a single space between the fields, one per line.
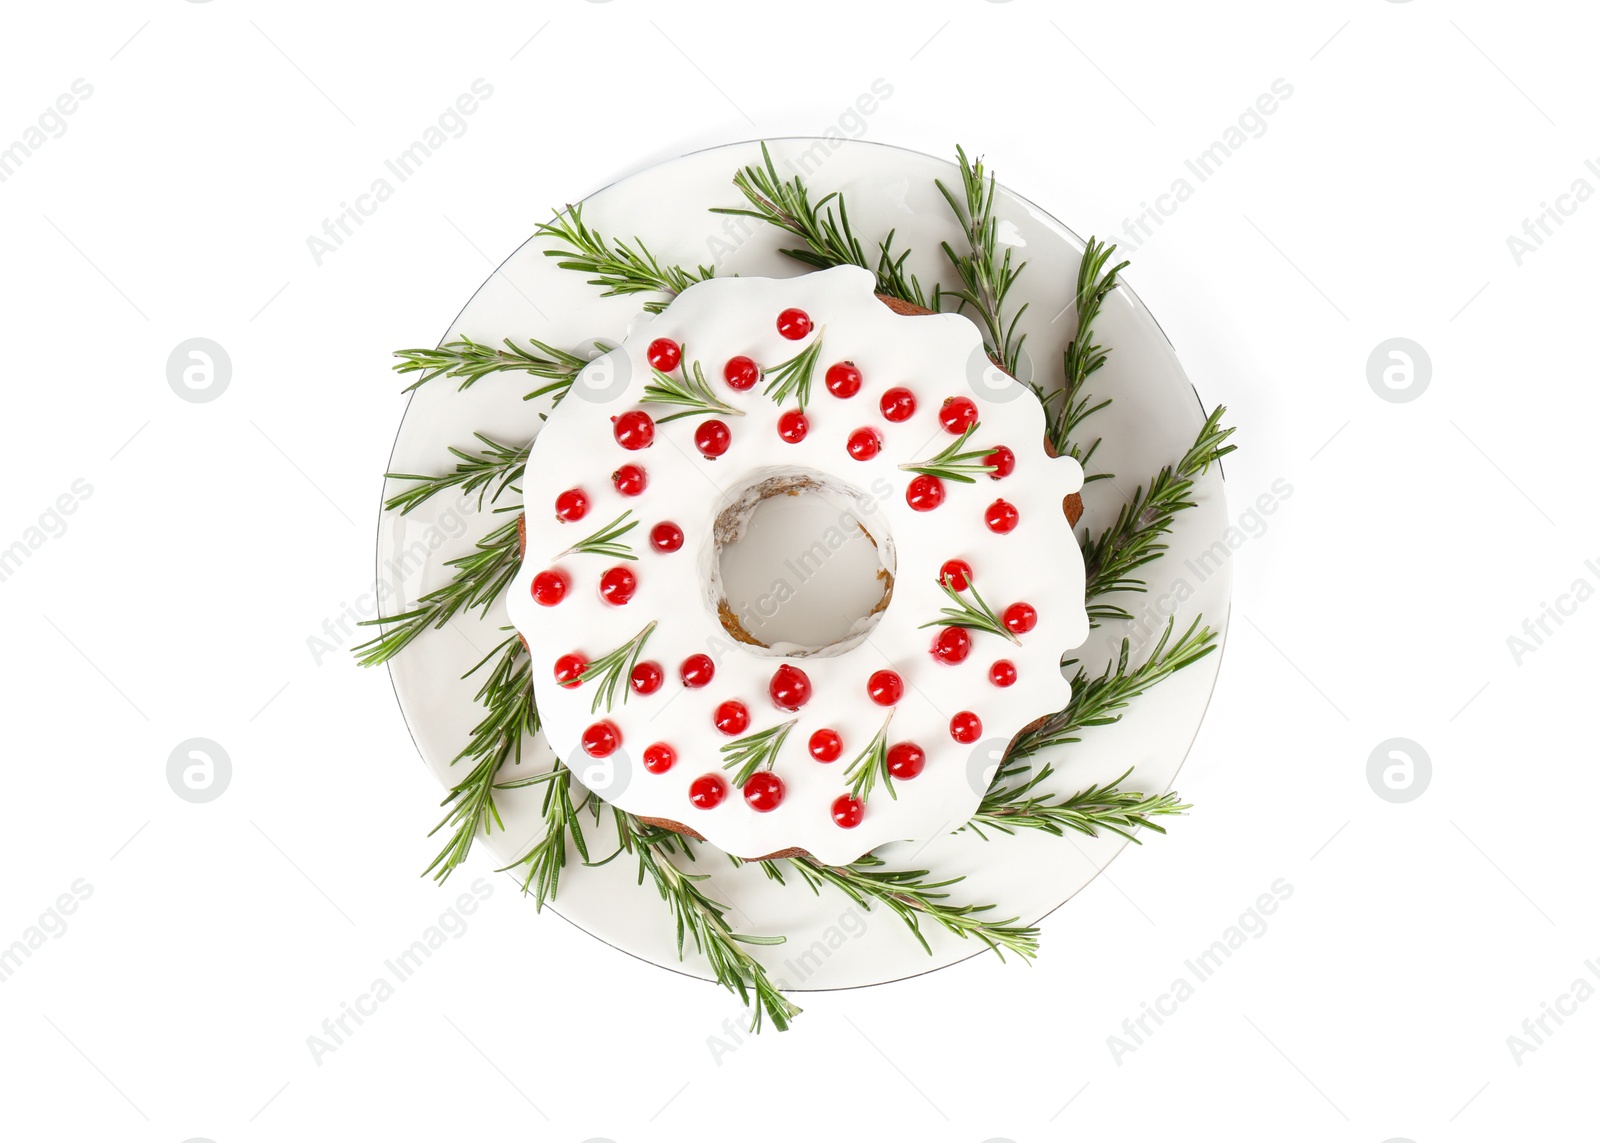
x=935 y=356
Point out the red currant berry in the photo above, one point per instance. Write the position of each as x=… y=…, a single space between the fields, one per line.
x=659 y=757
x=953 y=645
x=1020 y=618
x=793 y=426
x=925 y=493
x=826 y=746
x=617 y=586
x=601 y=738
x=848 y=811
x=957 y=415
x=885 y=688
x=956 y=574
x=794 y=324
x=712 y=438
x=863 y=444
x=550 y=588
x=898 y=404
x=843 y=380
x=666 y=537
x=571 y=505
x=790 y=688
x=568 y=668
x=1001 y=516
x=630 y=479
x=965 y=726
x=1002 y=672
x=1003 y=461
x=732 y=718
x=696 y=671
x=634 y=430
x=646 y=678
x=906 y=759
x=707 y=791
x=741 y=373
x=763 y=791
x=664 y=354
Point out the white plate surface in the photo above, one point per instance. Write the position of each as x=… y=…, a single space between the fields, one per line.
x=1152 y=420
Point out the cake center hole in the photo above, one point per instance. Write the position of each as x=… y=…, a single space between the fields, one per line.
x=803 y=566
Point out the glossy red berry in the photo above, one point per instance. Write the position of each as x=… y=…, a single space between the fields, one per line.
x=712 y=438
x=848 y=811
x=1020 y=618
x=898 y=404
x=956 y=574
x=793 y=426
x=764 y=791
x=843 y=379
x=664 y=354
x=659 y=757
x=906 y=759
x=1003 y=461
x=794 y=324
x=741 y=373
x=666 y=537
x=568 y=668
x=952 y=645
x=925 y=493
x=863 y=444
x=731 y=717
x=1002 y=672
x=965 y=726
x=630 y=479
x=958 y=414
x=707 y=791
x=696 y=671
x=646 y=678
x=1001 y=516
x=790 y=688
x=601 y=738
x=826 y=745
x=571 y=505
x=550 y=588
x=617 y=585
x=634 y=430
x=885 y=688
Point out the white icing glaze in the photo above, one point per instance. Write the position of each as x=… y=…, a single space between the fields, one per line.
x=936 y=357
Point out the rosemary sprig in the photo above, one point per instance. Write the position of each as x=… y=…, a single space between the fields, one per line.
x=829 y=240
x=1134 y=539
x=955 y=462
x=507 y=696
x=470 y=361
x=871 y=764
x=914 y=900
x=480 y=578
x=794 y=376
x=1098 y=701
x=547 y=857
x=495 y=465
x=985 y=278
x=608 y=540
x=1011 y=805
x=617 y=267
x=975 y=614
x=691 y=391
x=756 y=751
x=1083 y=356
x=705 y=920
x=614 y=668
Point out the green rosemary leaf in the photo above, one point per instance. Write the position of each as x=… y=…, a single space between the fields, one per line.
x=756 y=751
x=608 y=540
x=614 y=669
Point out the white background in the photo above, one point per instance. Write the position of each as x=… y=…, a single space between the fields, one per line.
x=219 y=536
